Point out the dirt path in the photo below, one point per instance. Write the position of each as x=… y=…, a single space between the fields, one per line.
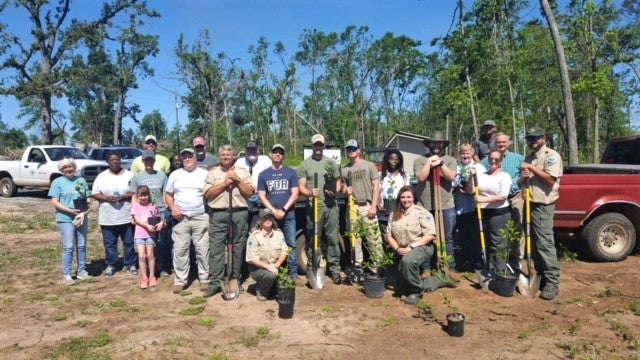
x=595 y=316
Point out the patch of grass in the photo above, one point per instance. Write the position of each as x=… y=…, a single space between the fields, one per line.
x=609 y=292
x=195 y=310
x=82 y=348
x=525 y=333
x=566 y=256
x=386 y=323
x=59 y=318
x=627 y=335
x=45 y=253
x=118 y=304
x=325 y=329
x=575 y=327
x=218 y=356
x=634 y=306
x=580 y=349
x=18 y=225
x=185 y=293
x=82 y=323
x=8 y=300
x=37 y=297
x=328 y=309
x=252 y=341
x=208 y=323
x=576 y=300
x=425 y=310
x=197 y=300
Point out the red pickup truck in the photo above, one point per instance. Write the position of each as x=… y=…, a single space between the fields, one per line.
x=600 y=203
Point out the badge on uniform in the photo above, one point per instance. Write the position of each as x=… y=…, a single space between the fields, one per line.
x=552 y=160
x=251 y=243
x=427 y=216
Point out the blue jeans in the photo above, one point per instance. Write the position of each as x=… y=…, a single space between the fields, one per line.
x=288 y=227
x=110 y=235
x=164 y=245
x=73 y=237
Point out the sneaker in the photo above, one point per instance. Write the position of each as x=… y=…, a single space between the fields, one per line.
x=549 y=292
x=177 y=288
x=164 y=274
x=153 y=281
x=144 y=283
x=133 y=270
x=108 y=271
x=68 y=280
x=82 y=275
x=212 y=290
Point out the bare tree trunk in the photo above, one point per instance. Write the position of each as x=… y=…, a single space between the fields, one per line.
x=117 y=118
x=596 y=131
x=512 y=99
x=566 y=83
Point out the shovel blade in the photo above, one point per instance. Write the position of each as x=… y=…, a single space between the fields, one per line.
x=230 y=289
x=528 y=286
x=483 y=280
x=315 y=277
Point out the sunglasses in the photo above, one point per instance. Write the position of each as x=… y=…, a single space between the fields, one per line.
x=351 y=149
x=494 y=160
x=534 y=138
x=279 y=152
x=151 y=142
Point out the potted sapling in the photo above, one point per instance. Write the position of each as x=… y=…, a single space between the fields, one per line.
x=82 y=189
x=377 y=263
x=455 y=319
x=505 y=280
x=286 y=292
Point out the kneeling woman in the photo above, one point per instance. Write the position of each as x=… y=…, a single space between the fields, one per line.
x=266 y=251
x=411 y=233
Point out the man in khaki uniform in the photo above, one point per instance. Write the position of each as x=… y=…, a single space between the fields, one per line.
x=541 y=170
x=220 y=181
x=363 y=181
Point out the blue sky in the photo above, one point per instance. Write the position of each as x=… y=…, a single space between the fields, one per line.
x=236 y=24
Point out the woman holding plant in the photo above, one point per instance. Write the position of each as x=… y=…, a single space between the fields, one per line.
x=64 y=190
x=393 y=178
x=411 y=234
x=266 y=252
x=494 y=186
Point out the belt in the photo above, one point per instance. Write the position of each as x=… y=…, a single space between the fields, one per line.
x=211 y=211
x=363 y=203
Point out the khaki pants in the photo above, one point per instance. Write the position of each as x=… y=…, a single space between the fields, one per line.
x=191 y=229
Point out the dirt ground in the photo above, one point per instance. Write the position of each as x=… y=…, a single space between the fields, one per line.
x=596 y=316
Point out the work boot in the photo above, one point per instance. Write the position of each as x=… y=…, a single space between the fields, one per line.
x=411 y=299
x=177 y=288
x=336 y=279
x=549 y=292
x=426 y=274
x=212 y=290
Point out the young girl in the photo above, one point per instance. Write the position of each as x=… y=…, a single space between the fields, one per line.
x=148 y=224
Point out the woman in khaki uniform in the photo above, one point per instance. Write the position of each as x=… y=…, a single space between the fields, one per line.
x=266 y=251
x=411 y=233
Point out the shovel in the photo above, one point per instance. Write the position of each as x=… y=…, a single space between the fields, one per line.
x=528 y=285
x=229 y=285
x=441 y=246
x=354 y=272
x=314 y=273
x=482 y=275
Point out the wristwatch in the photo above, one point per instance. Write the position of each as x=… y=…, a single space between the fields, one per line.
x=411 y=246
x=284 y=209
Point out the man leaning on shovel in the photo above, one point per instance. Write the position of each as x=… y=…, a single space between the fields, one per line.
x=541 y=170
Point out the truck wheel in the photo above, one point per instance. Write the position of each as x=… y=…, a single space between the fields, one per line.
x=302 y=252
x=7 y=187
x=610 y=237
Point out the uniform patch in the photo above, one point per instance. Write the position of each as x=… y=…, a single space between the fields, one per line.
x=552 y=160
x=427 y=216
x=251 y=243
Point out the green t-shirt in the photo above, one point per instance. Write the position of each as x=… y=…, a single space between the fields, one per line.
x=359 y=176
x=327 y=171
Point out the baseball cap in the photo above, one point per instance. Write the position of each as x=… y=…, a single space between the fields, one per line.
x=277 y=146
x=351 y=143
x=251 y=145
x=317 y=138
x=148 y=154
x=489 y=123
x=150 y=137
x=187 y=150
x=199 y=141
x=535 y=131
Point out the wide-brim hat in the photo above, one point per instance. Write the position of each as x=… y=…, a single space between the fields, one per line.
x=437 y=136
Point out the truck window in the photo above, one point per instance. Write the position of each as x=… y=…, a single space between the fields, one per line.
x=36 y=155
x=625 y=151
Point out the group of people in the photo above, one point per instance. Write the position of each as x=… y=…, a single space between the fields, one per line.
x=198 y=205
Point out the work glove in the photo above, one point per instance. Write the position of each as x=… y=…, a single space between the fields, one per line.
x=79 y=219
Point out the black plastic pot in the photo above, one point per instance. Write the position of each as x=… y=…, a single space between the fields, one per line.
x=81 y=204
x=504 y=285
x=286 y=301
x=455 y=324
x=374 y=286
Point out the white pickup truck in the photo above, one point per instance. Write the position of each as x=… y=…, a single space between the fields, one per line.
x=39 y=167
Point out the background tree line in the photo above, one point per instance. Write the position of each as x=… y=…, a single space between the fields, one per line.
x=493 y=64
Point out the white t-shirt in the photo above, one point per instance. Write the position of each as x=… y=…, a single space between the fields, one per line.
x=492 y=185
x=187 y=190
x=110 y=184
x=263 y=162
